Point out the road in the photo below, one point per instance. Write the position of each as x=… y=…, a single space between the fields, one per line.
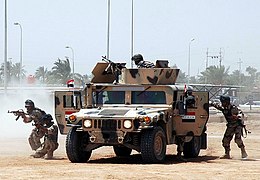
x=16 y=163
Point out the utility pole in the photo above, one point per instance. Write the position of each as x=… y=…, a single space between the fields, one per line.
x=189 y=61
x=5 y=49
x=239 y=65
x=240 y=62
x=240 y=78
x=108 y=27
x=21 y=52
x=132 y=34
x=220 y=57
x=207 y=60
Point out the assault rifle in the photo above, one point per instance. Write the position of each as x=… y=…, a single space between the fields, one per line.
x=17 y=113
x=242 y=124
x=113 y=68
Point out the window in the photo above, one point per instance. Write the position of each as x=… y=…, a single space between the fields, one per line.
x=68 y=101
x=72 y=101
x=110 y=97
x=148 y=97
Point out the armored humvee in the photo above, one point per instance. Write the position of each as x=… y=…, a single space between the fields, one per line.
x=132 y=109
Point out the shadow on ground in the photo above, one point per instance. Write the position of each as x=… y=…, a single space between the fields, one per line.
x=137 y=159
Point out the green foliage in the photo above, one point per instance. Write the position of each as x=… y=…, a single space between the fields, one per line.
x=41 y=74
x=60 y=73
x=214 y=75
x=12 y=72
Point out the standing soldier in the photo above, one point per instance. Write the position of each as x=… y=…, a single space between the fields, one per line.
x=234 y=126
x=33 y=115
x=51 y=137
x=180 y=148
x=140 y=63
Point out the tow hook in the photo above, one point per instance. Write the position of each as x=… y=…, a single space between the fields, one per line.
x=92 y=139
x=120 y=140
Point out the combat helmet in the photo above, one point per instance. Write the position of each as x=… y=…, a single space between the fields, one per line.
x=29 y=103
x=224 y=99
x=137 y=58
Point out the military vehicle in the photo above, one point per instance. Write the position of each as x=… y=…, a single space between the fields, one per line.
x=132 y=109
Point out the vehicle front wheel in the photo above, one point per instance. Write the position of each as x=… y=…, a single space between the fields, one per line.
x=75 y=146
x=153 y=145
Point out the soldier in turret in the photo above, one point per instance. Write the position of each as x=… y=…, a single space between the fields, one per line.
x=234 y=126
x=140 y=63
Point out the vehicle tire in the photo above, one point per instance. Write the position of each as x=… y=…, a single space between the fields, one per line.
x=74 y=146
x=153 y=145
x=192 y=149
x=122 y=151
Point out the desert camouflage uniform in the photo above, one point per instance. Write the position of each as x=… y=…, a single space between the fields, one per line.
x=180 y=148
x=140 y=63
x=50 y=143
x=35 y=137
x=145 y=64
x=234 y=127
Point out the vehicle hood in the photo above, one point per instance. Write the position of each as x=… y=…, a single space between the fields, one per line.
x=116 y=112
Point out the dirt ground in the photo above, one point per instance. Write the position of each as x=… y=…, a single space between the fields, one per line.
x=16 y=163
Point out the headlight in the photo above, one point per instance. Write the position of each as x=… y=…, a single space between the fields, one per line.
x=87 y=123
x=147 y=119
x=72 y=118
x=127 y=124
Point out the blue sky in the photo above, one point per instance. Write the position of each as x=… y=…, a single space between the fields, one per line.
x=162 y=30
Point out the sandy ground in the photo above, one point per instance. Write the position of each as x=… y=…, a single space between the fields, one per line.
x=16 y=163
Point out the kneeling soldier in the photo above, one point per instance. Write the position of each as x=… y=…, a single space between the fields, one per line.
x=51 y=137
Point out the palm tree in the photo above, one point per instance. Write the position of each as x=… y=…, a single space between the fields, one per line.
x=236 y=78
x=252 y=74
x=41 y=74
x=61 y=72
x=15 y=71
x=12 y=72
x=215 y=75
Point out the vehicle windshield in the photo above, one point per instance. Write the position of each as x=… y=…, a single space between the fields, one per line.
x=148 y=97
x=137 y=97
x=110 y=97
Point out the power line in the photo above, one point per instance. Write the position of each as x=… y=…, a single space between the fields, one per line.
x=220 y=57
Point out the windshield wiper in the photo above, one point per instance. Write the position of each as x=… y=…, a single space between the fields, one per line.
x=143 y=91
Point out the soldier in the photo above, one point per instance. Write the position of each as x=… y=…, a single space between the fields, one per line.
x=180 y=148
x=234 y=126
x=33 y=114
x=51 y=137
x=140 y=63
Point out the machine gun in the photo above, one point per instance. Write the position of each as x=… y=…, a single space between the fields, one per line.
x=113 y=68
x=17 y=113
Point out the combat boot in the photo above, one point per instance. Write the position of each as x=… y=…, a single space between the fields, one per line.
x=243 y=153
x=49 y=155
x=226 y=155
x=38 y=155
x=180 y=158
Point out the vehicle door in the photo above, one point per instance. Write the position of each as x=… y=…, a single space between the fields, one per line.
x=195 y=117
x=66 y=103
